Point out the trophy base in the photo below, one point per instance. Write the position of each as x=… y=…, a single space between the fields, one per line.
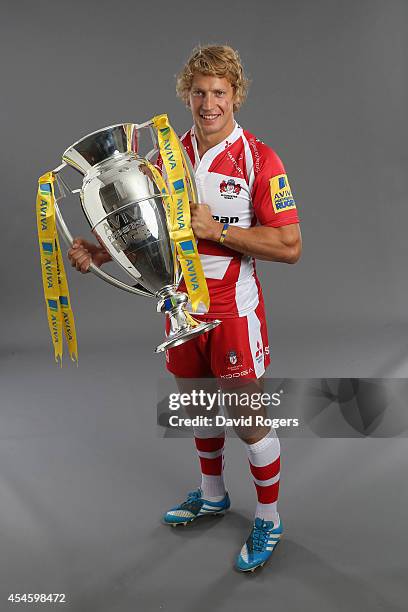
x=187 y=334
x=182 y=326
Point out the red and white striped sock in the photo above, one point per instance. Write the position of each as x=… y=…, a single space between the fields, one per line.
x=209 y=443
x=264 y=461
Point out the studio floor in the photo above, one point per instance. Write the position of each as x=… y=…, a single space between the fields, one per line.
x=86 y=476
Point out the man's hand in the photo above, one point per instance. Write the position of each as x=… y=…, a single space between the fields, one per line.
x=82 y=253
x=204 y=226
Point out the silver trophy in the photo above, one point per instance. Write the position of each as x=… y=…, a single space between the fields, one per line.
x=126 y=212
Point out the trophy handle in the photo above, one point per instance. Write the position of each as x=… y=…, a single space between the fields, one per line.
x=67 y=236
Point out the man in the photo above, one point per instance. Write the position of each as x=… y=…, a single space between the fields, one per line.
x=246 y=211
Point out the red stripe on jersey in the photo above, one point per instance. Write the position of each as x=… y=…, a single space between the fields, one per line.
x=265 y=472
x=231 y=161
x=209 y=445
x=208 y=247
x=262 y=156
x=267 y=495
x=188 y=145
x=159 y=163
x=211 y=467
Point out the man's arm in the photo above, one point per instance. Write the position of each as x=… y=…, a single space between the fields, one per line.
x=282 y=244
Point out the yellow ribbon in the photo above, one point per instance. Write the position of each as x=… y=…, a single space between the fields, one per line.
x=167 y=197
x=56 y=294
x=169 y=210
x=178 y=217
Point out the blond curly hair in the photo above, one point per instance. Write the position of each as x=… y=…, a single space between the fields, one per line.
x=214 y=60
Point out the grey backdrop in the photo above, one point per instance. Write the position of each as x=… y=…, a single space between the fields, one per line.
x=84 y=476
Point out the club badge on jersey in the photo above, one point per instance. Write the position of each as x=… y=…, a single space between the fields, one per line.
x=281 y=194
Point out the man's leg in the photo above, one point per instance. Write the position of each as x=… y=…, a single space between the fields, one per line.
x=209 y=443
x=263 y=449
x=189 y=365
x=261 y=443
x=264 y=462
x=239 y=359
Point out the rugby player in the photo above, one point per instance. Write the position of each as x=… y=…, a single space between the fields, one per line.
x=246 y=212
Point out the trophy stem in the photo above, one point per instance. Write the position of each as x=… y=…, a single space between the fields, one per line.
x=182 y=326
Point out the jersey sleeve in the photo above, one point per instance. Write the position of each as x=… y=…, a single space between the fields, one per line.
x=272 y=197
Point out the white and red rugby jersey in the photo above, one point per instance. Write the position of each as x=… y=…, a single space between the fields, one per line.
x=244 y=183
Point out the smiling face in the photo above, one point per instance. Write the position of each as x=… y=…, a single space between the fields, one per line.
x=211 y=100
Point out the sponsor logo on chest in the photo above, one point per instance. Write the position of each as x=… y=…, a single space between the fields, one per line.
x=226 y=219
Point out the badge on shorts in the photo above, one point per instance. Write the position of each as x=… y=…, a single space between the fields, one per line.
x=281 y=195
x=233 y=358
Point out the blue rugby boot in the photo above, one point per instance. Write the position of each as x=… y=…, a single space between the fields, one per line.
x=259 y=546
x=194 y=507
